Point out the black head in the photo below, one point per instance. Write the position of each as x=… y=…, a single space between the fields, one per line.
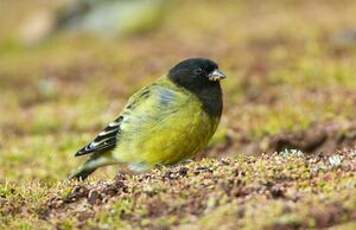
x=196 y=73
x=201 y=77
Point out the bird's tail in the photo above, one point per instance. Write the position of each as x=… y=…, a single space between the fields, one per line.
x=81 y=174
x=93 y=163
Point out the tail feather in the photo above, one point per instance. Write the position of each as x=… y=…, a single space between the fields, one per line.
x=81 y=174
x=94 y=162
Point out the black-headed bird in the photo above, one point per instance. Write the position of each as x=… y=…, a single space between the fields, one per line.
x=164 y=123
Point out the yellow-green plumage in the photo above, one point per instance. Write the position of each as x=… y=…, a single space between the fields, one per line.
x=163 y=123
x=163 y=132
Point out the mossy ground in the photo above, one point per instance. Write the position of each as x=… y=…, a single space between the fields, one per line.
x=290 y=67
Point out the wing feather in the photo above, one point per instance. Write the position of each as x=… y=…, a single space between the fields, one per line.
x=108 y=138
x=104 y=141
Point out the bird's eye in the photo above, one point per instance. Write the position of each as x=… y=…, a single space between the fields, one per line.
x=198 y=71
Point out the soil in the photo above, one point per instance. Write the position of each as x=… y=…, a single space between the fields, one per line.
x=327 y=138
x=191 y=191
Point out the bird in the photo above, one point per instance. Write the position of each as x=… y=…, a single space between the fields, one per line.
x=164 y=123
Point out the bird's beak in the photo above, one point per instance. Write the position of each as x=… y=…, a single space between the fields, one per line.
x=216 y=75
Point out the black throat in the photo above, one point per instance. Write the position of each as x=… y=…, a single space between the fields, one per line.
x=208 y=92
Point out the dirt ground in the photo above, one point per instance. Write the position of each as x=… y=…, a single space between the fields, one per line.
x=266 y=191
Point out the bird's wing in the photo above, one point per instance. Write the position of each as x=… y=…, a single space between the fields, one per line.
x=105 y=140
x=149 y=103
